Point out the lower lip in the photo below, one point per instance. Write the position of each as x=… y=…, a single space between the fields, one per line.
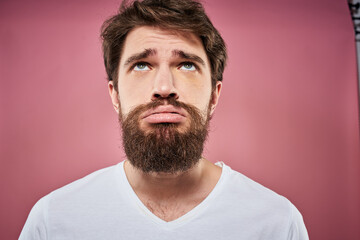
x=164 y=118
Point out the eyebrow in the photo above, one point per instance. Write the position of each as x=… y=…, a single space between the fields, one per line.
x=151 y=51
x=137 y=56
x=188 y=56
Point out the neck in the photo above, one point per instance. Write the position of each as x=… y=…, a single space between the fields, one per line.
x=170 y=196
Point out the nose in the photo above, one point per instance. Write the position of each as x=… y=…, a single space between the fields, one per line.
x=164 y=85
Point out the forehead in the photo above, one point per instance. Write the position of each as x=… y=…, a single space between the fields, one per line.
x=163 y=41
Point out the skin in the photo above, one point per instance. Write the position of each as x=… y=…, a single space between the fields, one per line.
x=164 y=73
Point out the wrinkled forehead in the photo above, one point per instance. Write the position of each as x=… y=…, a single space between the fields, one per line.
x=162 y=43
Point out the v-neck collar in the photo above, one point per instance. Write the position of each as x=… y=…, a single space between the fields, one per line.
x=193 y=213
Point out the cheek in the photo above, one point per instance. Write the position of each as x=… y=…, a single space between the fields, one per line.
x=190 y=79
x=133 y=92
x=194 y=89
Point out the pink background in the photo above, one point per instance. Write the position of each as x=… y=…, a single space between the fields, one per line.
x=288 y=114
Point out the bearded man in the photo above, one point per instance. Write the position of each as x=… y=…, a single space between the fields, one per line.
x=164 y=60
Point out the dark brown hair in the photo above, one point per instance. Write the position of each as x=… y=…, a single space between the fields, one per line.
x=178 y=15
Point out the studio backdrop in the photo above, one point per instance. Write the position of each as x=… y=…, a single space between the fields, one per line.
x=288 y=115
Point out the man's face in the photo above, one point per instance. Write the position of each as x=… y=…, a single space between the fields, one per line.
x=164 y=67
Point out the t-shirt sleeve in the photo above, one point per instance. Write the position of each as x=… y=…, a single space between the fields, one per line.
x=297 y=230
x=35 y=225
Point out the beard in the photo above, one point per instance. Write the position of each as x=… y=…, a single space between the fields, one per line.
x=164 y=148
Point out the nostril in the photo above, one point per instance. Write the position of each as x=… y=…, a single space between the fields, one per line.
x=168 y=95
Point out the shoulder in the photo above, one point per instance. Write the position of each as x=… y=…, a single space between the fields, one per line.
x=84 y=190
x=95 y=179
x=36 y=223
x=258 y=203
x=87 y=190
x=247 y=189
x=74 y=199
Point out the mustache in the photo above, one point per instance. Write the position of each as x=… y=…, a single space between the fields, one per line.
x=136 y=112
x=170 y=101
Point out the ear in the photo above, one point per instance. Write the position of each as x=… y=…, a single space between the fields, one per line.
x=215 y=96
x=114 y=96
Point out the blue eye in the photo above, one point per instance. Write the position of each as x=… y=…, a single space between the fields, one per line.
x=141 y=67
x=188 y=66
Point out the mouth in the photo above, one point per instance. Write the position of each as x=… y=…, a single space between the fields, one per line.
x=164 y=114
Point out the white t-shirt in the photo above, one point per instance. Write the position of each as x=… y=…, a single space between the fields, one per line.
x=103 y=206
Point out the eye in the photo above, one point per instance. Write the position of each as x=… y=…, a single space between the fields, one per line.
x=141 y=66
x=188 y=66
